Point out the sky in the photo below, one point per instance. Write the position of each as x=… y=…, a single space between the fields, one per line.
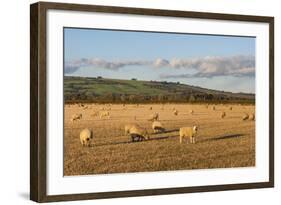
x=216 y=62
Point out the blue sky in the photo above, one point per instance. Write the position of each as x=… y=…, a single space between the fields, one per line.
x=216 y=62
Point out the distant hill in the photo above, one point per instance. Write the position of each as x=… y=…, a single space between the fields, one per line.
x=85 y=89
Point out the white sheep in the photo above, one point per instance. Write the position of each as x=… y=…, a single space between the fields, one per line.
x=223 y=114
x=189 y=132
x=157 y=127
x=252 y=116
x=86 y=136
x=76 y=117
x=153 y=117
x=104 y=114
x=245 y=116
x=140 y=132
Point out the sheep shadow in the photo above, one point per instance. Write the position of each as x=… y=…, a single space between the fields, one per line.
x=169 y=131
x=131 y=142
x=223 y=137
x=162 y=137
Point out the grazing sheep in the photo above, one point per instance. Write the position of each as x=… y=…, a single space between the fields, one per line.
x=191 y=112
x=153 y=117
x=86 y=136
x=76 y=117
x=176 y=112
x=223 y=114
x=157 y=127
x=137 y=130
x=188 y=132
x=245 y=116
x=104 y=114
x=252 y=116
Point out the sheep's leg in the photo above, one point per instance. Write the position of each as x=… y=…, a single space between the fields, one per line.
x=180 y=139
x=193 y=140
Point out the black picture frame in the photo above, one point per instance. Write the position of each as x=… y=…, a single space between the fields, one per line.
x=38 y=103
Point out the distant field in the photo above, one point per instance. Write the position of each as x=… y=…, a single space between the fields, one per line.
x=221 y=143
x=77 y=89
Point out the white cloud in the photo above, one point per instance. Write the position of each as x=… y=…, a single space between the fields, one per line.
x=205 y=67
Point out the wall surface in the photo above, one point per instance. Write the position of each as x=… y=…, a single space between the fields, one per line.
x=14 y=103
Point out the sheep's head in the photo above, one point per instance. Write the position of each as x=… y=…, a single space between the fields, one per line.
x=195 y=129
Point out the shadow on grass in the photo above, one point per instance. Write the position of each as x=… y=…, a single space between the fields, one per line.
x=169 y=131
x=131 y=142
x=223 y=137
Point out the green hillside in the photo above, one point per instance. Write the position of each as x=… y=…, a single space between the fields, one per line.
x=135 y=91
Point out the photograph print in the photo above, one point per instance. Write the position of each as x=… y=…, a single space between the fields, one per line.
x=140 y=101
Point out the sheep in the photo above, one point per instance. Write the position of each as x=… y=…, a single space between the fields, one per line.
x=176 y=112
x=252 y=116
x=223 y=114
x=191 y=112
x=245 y=117
x=153 y=117
x=157 y=127
x=76 y=117
x=104 y=114
x=136 y=130
x=86 y=136
x=188 y=132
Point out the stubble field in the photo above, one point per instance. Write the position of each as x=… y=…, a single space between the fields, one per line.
x=220 y=143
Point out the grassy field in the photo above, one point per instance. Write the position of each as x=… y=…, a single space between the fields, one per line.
x=221 y=143
x=91 y=89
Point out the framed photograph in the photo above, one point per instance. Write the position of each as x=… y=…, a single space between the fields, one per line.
x=134 y=102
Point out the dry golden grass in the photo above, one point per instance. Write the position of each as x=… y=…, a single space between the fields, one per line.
x=220 y=143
